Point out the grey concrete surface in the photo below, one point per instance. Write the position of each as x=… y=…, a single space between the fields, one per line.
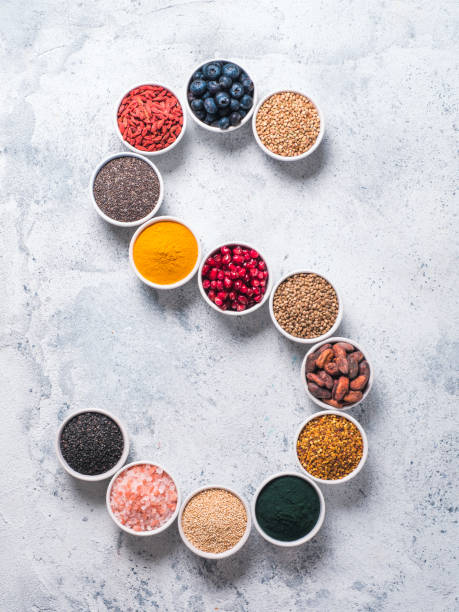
x=219 y=400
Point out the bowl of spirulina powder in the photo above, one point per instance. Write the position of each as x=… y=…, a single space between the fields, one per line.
x=288 y=509
x=126 y=189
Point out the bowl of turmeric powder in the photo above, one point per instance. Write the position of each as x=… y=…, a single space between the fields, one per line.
x=164 y=253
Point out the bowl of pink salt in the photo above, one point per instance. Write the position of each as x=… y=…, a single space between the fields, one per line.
x=143 y=499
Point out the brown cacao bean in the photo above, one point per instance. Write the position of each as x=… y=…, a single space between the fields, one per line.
x=341 y=388
x=339 y=351
x=353 y=396
x=318 y=391
x=358 y=356
x=323 y=348
x=353 y=366
x=326 y=379
x=364 y=368
x=315 y=378
x=331 y=368
x=346 y=346
x=334 y=403
x=342 y=364
x=324 y=358
x=311 y=362
x=359 y=383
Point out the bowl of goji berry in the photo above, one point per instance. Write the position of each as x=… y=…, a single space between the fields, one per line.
x=150 y=119
x=234 y=278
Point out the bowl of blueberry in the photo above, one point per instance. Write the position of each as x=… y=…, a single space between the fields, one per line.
x=221 y=96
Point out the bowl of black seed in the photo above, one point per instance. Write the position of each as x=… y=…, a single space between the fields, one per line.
x=92 y=444
x=126 y=189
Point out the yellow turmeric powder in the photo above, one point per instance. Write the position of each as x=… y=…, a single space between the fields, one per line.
x=165 y=252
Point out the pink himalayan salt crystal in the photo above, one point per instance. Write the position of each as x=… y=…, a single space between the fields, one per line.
x=143 y=497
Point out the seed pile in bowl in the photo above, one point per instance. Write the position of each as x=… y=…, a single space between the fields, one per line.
x=220 y=94
x=337 y=374
x=214 y=520
x=235 y=277
x=288 y=123
x=150 y=118
x=305 y=305
x=126 y=189
x=91 y=443
x=330 y=447
x=143 y=497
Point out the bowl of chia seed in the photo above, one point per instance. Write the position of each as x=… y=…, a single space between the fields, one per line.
x=92 y=444
x=126 y=189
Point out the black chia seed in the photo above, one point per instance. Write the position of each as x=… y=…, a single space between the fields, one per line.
x=126 y=189
x=91 y=443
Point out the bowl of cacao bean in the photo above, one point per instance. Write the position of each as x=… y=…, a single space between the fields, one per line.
x=337 y=374
x=305 y=307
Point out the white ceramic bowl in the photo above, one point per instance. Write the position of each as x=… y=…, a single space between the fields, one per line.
x=308 y=536
x=234 y=313
x=210 y=128
x=315 y=348
x=282 y=157
x=126 y=223
x=96 y=477
x=226 y=553
x=151 y=153
x=330 y=332
x=365 y=447
x=131 y=256
x=128 y=529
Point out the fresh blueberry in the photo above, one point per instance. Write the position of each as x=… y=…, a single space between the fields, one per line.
x=209 y=118
x=224 y=122
x=235 y=118
x=200 y=114
x=222 y=99
x=198 y=87
x=206 y=95
x=197 y=104
x=246 y=102
x=215 y=124
x=225 y=82
x=210 y=106
x=231 y=70
x=247 y=84
x=190 y=96
x=234 y=104
x=198 y=75
x=212 y=70
x=243 y=113
x=213 y=87
x=244 y=75
x=223 y=112
x=236 y=91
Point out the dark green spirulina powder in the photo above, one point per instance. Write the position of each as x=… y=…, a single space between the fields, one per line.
x=287 y=508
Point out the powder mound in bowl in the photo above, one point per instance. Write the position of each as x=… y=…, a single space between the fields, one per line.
x=126 y=189
x=91 y=443
x=305 y=305
x=330 y=447
x=214 y=520
x=143 y=497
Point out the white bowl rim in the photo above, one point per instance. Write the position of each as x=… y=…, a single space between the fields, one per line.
x=317 y=339
x=96 y=477
x=131 y=255
x=167 y=524
x=226 y=553
x=155 y=209
x=315 y=348
x=364 y=439
x=282 y=157
x=314 y=530
x=211 y=128
x=150 y=153
x=235 y=313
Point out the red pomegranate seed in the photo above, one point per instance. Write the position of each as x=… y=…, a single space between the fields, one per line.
x=253 y=272
x=213 y=284
x=250 y=292
x=253 y=254
x=219 y=285
x=231 y=266
x=243 y=288
x=232 y=296
x=211 y=295
x=205 y=269
x=261 y=275
x=224 y=306
x=240 y=307
x=246 y=255
x=213 y=274
x=226 y=258
x=261 y=265
x=238 y=259
x=262 y=283
x=211 y=261
x=237 y=285
x=206 y=283
x=256 y=290
x=225 y=251
x=257 y=298
x=222 y=295
x=220 y=275
x=251 y=265
x=242 y=299
x=255 y=282
x=234 y=305
x=218 y=302
x=237 y=250
x=227 y=283
x=233 y=274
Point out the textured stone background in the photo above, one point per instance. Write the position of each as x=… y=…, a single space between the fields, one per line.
x=219 y=400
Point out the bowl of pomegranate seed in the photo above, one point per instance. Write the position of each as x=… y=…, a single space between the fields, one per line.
x=234 y=279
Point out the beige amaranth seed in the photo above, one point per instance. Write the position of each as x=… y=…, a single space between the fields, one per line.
x=214 y=520
x=288 y=123
x=305 y=305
